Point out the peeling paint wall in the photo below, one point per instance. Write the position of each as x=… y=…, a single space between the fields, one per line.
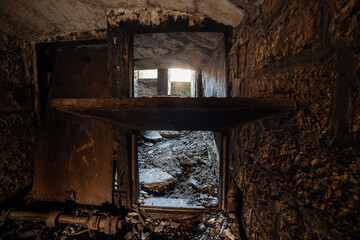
x=214 y=74
x=18 y=127
x=299 y=173
x=77 y=36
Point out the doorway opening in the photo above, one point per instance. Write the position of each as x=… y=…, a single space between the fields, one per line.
x=178 y=169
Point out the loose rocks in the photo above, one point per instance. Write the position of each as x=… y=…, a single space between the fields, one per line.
x=152 y=135
x=170 y=134
x=156 y=180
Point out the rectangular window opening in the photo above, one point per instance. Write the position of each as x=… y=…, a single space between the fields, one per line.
x=145 y=83
x=178 y=169
x=177 y=82
x=181 y=82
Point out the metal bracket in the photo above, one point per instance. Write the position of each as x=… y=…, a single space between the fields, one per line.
x=4 y=214
x=109 y=225
x=52 y=217
x=70 y=195
x=117 y=199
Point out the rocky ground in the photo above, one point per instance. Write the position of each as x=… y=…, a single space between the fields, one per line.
x=178 y=168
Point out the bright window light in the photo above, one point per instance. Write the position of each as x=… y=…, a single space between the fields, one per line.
x=180 y=75
x=148 y=74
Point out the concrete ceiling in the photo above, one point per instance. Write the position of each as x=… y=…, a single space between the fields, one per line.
x=35 y=20
x=189 y=50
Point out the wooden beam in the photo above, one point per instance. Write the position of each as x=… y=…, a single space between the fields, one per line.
x=120 y=76
x=171 y=113
x=120 y=61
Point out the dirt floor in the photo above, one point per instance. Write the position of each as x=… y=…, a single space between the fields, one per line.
x=178 y=169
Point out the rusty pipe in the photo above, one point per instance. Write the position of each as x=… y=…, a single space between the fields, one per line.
x=107 y=224
x=27 y=216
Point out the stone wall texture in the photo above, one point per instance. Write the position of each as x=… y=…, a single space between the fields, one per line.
x=18 y=125
x=299 y=173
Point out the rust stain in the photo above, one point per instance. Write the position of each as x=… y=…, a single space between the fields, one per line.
x=85 y=161
x=87 y=145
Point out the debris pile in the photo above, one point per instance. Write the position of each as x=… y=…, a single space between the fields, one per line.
x=157 y=228
x=207 y=225
x=214 y=225
x=179 y=166
x=218 y=226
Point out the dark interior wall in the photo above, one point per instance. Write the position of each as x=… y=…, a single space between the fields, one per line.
x=214 y=74
x=299 y=173
x=18 y=127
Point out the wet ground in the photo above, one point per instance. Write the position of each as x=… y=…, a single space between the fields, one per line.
x=178 y=169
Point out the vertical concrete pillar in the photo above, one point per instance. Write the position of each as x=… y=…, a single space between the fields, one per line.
x=162 y=82
x=199 y=85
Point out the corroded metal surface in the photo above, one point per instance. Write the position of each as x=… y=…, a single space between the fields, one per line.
x=106 y=224
x=75 y=156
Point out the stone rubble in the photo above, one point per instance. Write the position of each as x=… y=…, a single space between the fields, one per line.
x=155 y=180
x=209 y=225
x=190 y=157
x=152 y=135
x=170 y=134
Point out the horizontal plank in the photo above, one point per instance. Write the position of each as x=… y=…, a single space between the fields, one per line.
x=174 y=113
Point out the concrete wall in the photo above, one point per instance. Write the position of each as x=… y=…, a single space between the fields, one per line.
x=18 y=128
x=182 y=89
x=299 y=173
x=147 y=87
x=214 y=74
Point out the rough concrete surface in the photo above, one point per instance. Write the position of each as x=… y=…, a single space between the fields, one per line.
x=189 y=50
x=214 y=78
x=182 y=89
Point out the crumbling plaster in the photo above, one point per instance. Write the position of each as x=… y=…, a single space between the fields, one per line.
x=36 y=20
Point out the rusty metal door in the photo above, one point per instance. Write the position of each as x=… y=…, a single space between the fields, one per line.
x=74 y=160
